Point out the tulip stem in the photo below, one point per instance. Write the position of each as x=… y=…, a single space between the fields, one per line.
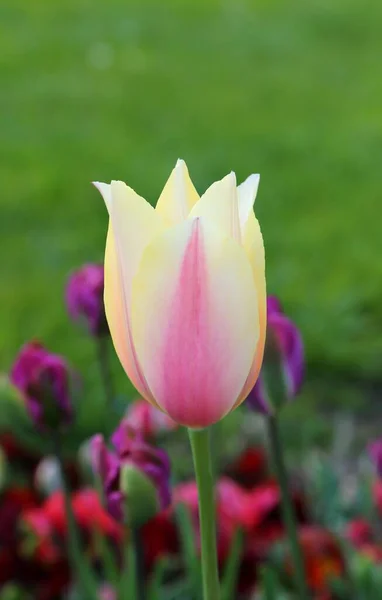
x=201 y=451
x=78 y=565
x=289 y=515
x=134 y=568
x=104 y=367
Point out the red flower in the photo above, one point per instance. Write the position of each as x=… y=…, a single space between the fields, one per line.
x=88 y=512
x=322 y=557
x=160 y=538
x=249 y=468
x=359 y=532
x=12 y=503
x=19 y=559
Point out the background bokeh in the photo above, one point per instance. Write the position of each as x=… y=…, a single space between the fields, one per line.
x=116 y=89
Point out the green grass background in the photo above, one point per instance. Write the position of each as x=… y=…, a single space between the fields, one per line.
x=120 y=89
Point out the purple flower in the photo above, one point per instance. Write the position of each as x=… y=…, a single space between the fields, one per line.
x=130 y=452
x=285 y=341
x=84 y=298
x=44 y=380
x=375 y=453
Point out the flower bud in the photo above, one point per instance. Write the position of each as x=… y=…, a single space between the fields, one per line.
x=135 y=475
x=148 y=420
x=44 y=380
x=282 y=371
x=140 y=495
x=84 y=298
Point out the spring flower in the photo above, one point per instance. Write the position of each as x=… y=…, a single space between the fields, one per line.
x=322 y=557
x=285 y=343
x=147 y=419
x=44 y=380
x=135 y=476
x=84 y=298
x=375 y=453
x=185 y=294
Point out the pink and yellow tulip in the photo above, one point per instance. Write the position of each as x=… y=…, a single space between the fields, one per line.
x=185 y=294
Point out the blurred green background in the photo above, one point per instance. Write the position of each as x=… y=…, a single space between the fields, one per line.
x=118 y=89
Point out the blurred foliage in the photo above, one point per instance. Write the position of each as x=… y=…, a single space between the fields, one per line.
x=101 y=90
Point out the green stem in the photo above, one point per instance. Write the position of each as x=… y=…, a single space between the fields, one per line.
x=77 y=563
x=287 y=507
x=136 y=541
x=133 y=576
x=104 y=368
x=200 y=444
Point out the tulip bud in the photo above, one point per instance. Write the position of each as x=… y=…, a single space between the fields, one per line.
x=185 y=294
x=44 y=380
x=134 y=475
x=148 y=420
x=84 y=298
x=141 y=498
x=283 y=365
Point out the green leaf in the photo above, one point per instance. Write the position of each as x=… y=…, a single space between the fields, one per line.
x=231 y=571
x=187 y=535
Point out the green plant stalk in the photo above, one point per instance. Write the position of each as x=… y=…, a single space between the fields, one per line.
x=104 y=368
x=187 y=539
x=289 y=516
x=77 y=562
x=231 y=570
x=201 y=452
x=132 y=583
x=108 y=558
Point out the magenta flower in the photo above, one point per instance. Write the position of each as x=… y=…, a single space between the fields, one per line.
x=375 y=453
x=44 y=380
x=84 y=298
x=147 y=419
x=121 y=469
x=284 y=338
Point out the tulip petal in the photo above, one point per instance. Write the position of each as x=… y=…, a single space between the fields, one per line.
x=105 y=191
x=195 y=321
x=254 y=246
x=133 y=223
x=178 y=196
x=118 y=319
x=246 y=192
x=219 y=204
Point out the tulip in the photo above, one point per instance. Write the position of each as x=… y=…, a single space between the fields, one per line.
x=185 y=294
x=135 y=476
x=284 y=345
x=359 y=532
x=323 y=558
x=84 y=298
x=148 y=420
x=44 y=380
